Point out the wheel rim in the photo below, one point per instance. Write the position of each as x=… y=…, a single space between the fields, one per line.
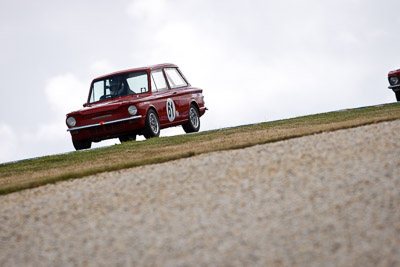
x=153 y=123
x=194 y=118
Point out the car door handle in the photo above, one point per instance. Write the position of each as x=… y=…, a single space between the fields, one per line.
x=174 y=93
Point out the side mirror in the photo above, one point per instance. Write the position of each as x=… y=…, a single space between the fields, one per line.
x=84 y=105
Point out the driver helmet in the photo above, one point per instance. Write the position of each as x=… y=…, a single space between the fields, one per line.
x=114 y=84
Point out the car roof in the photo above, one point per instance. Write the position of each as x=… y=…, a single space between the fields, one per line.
x=151 y=67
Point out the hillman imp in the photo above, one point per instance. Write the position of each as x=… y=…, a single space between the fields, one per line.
x=139 y=101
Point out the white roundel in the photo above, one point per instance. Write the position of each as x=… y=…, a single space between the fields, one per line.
x=170 y=110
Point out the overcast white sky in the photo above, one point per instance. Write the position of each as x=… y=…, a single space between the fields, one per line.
x=257 y=61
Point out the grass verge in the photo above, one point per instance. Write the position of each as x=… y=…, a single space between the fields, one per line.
x=51 y=169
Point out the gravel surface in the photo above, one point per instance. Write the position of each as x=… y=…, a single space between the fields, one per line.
x=331 y=199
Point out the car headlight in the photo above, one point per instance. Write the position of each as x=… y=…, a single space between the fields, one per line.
x=132 y=110
x=71 y=121
x=393 y=80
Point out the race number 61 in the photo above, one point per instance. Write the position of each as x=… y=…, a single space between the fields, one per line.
x=170 y=110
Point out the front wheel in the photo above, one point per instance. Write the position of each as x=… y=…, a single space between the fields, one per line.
x=152 y=125
x=82 y=144
x=193 y=125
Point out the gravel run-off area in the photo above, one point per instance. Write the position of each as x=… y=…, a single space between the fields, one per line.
x=330 y=199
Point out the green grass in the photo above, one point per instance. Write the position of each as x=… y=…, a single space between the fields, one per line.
x=51 y=169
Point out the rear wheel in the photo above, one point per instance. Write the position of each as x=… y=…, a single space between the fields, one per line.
x=193 y=125
x=152 y=125
x=397 y=95
x=82 y=144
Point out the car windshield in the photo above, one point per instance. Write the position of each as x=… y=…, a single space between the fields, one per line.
x=119 y=85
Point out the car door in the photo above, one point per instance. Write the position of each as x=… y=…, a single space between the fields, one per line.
x=163 y=98
x=178 y=87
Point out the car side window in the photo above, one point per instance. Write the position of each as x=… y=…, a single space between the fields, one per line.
x=174 y=78
x=158 y=80
x=137 y=83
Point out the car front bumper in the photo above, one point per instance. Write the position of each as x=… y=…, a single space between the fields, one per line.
x=108 y=129
x=104 y=123
x=395 y=87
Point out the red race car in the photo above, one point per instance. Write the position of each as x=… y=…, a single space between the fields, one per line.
x=134 y=102
x=394 y=80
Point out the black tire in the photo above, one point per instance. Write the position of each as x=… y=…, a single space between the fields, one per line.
x=127 y=138
x=193 y=125
x=152 y=125
x=397 y=95
x=82 y=144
